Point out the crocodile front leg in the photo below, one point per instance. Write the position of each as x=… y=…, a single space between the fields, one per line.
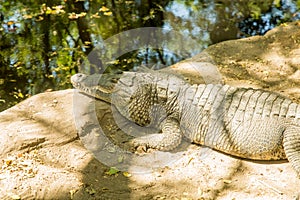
x=169 y=139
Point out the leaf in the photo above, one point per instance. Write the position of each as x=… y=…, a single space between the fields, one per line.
x=8 y=162
x=9 y=23
x=72 y=15
x=95 y=16
x=20 y=95
x=27 y=16
x=277 y=3
x=103 y=9
x=82 y=14
x=127 y=174
x=107 y=13
x=112 y=171
x=48 y=11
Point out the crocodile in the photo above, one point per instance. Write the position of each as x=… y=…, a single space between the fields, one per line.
x=244 y=122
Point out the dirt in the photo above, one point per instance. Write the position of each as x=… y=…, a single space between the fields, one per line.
x=52 y=147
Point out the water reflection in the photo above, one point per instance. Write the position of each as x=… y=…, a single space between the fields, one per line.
x=42 y=44
x=219 y=20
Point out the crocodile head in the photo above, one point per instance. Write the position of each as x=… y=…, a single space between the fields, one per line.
x=124 y=90
x=96 y=85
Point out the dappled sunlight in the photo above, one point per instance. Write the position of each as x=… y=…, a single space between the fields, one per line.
x=44 y=140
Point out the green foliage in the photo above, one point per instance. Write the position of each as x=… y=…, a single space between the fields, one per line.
x=43 y=44
x=112 y=171
x=255 y=9
x=277 y=3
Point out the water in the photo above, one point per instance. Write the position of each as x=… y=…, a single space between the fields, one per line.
x=42 y=45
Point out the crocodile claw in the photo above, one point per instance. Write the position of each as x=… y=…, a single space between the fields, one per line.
x=140 y=147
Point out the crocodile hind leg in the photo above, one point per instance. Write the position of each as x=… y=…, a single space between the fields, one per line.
x=291 y=144
x=169 y=139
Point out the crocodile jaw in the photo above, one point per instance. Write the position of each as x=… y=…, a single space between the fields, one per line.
x=90 y=86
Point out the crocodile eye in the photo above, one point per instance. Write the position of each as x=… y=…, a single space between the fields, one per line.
x=114 y=80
